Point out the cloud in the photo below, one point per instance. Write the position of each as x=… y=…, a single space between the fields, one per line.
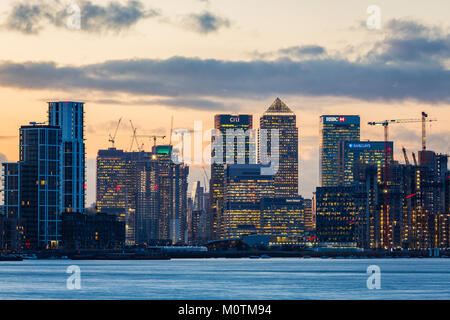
x=294 y=52
x=205 y=22
x=408 y=41
x=200 y=104
x=31 y=17
x=196 y=78
x=387 y=73
x=3 y=158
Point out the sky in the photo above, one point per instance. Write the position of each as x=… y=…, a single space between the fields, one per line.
x=149 y=61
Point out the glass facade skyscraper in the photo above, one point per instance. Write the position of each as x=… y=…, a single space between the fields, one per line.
x=242 y=146
x=69 y=116
x=279 y=116
x=333 y=130
x=34 y=183
x=352 y=153
x=245 y=187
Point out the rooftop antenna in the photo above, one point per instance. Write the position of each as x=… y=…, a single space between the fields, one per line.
x=171 y=129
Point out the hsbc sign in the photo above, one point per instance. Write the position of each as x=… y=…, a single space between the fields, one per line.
x=335 y=119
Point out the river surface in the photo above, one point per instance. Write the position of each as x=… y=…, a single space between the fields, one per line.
x=200 y=279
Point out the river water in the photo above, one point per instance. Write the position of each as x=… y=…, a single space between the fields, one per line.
x=199 y=279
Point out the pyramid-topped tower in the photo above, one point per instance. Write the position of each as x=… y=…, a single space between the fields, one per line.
x=279 y=116
x=278 y=106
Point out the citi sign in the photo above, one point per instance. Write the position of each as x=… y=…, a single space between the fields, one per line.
x=335 y=119
x=234 y=119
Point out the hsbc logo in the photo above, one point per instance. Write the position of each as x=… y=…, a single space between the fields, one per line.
x=335 y=119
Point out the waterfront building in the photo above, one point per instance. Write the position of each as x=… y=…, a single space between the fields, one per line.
x=69 y=116
x=245 y=187
x=32 y=186
x=236 y=130
x=283 y=219
x=333 y=130
x=340 y=215
x=369 y=152
x=279 y=117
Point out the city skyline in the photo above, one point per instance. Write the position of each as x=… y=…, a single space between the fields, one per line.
x=299 y=41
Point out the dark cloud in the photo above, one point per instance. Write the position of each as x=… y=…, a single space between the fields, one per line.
x=200 y=104
x=295 y=52
x=206 y=22
x=30 y=17
x=409 y=42
x=193 y=77
x=387 y=73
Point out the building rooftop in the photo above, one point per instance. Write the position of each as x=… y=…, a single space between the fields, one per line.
x=278 y=106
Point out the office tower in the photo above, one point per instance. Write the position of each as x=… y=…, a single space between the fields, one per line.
x=369 y=152
x=113 y=182
x=308 y=220
x=279 y=116
x=172 y=186
x=39 y=176
x=333 y=130
x=340 y=213
x=236 y=129
x=245 y=186
x=147 y=202
x=117 y=185
x=69 y=116
x=283 y=219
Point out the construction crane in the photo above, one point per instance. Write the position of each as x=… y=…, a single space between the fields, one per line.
x=134 y=139
x=414 y=158
x=385 y=125
x=405 y=155
x=112 y=139
x=155 y=137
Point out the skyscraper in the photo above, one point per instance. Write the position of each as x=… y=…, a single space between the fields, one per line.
x=368 y=152
x=279 y=116
x=340 y=214
x=32 y=186
x=69 y=116
x=236 y=131
x=245 y=187
x=172 y=189
x=147 y=201
x=117 y=185
x=333 y=130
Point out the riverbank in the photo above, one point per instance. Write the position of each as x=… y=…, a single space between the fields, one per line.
x=166 y=254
